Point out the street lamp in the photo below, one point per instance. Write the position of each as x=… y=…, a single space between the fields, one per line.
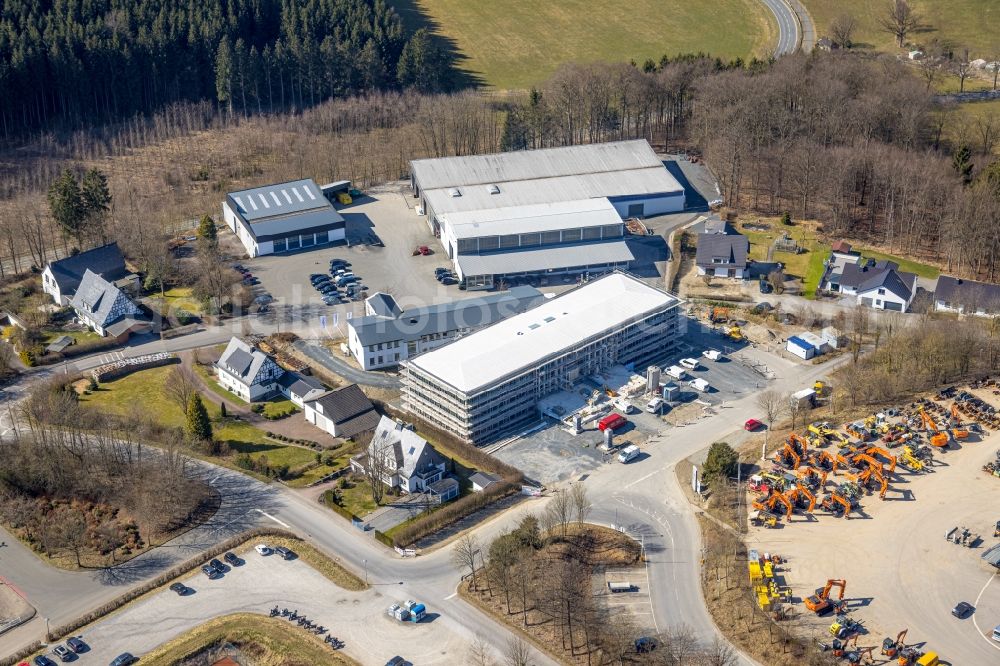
x=365 y=563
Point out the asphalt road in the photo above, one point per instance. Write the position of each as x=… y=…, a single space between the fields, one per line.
x=789 y=34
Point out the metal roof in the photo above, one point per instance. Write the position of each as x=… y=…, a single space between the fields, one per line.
x=546 y=258
x=732 y=248
x=533 y=218
x=799 y=342
x=267 y=201
x=558 y=325
x=465 y=313
x=107 y=261
x=647 y=181
x=498 y=168
x=301 y=221
x=968 y=293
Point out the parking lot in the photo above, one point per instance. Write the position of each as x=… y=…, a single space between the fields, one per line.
x=357 y=618
x=635 y=602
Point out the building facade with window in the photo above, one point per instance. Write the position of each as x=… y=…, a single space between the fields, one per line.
x=286 y=217
x=488 y=383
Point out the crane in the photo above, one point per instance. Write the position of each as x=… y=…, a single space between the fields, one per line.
x=820 y=602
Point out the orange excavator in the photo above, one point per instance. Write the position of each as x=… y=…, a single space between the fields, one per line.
x=891 y=648
x=820 y=602
x=928 y=422
x=955 y=416
x=826 y=462
x=799 y=443
x=867 y=459
x=879 y=451
x=873 y=473
x=788 y=457
x=801 y=492
x=831 y=501
x=771 y=502
x=815 y=480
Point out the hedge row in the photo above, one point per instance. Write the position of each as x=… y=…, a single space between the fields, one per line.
x=328 y=499
x=24 y=652
x=79 y=349
x=431 y=522
x=179 y=570
x=384 y=538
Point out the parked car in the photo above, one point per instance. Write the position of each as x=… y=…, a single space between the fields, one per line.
x=423 y=250
x=655 y=405
x=611 y=422
x=449 y=280
x=339 y=262
x=180 y=588
x=238 y=267
x=396 y=661
x=232 y=559
x=210 y=571
x=42 y=660
x=124 y=659
x=263 y=549
x=645 y=644
x=76 y=644
x=689 y=363
x=63 y=652
x=628 y=454
x=218 y=566
x=712 y=354
x=346 y=279
x=962 y=610
x=440 y=270
x=751 y=425
x=286 y=553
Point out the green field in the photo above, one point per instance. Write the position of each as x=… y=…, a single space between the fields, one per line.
x=511 y=44
x=906 y=265
x=958 y=23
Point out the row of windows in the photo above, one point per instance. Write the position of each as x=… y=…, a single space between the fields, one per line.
x=537 y=239
x=301 y=240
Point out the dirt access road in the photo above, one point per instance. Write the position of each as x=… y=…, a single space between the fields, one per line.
x=900 y=571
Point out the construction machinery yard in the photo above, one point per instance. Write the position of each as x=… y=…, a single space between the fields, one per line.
x=897 y=507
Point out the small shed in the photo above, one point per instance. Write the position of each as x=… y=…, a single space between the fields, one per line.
x=799 y=347
x=804 y=399
x=59 y=343
x=481 y=481
x=831 y=336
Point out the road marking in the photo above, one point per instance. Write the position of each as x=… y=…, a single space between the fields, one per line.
x=451 y=596
x=641 y=479
x=267 y=515
x=991 y=643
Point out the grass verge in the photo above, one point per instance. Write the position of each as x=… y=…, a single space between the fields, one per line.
x=273 y=642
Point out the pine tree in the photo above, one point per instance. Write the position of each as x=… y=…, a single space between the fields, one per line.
x=721 y=462
x=224 y=75
x=423 y=64
x=198 y=425
x=207 y=232
x=66 y=204
x=95 y=200
x=962 y=163
x=222 y=410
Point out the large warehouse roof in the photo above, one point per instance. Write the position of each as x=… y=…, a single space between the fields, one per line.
x=556 y=326
x=624 y=168
x=498 y=168
x=533 y=219
x=545 y=258
x=296 y=196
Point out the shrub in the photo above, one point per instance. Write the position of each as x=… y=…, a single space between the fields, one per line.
x=383 y=538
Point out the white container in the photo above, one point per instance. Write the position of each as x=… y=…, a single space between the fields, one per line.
x=676 y=372
x=699 y=385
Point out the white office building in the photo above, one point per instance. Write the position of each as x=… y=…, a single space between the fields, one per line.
x=488 y=383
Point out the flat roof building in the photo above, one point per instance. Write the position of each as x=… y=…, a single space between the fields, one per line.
x=536 y=203
x=282 y=218
x=489 y=382
x=388 y=334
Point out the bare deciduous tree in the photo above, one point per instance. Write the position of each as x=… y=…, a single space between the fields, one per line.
x=679 y=644
x=769 y=402
x=518 y=653
x=479 y=652
x=379 y=465
x=842 y=29
x=180 y=384
x=464 y=555
x=559 y=511
x=720 y=653
x=581 y=505
x=899 y=20
x=961 y=66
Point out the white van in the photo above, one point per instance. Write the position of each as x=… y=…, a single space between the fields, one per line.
x=712 y=355
x=689 y=363
x=628 y=454
x=699 y=385
x=624 y=406
x=654 y=406
x=676 y=372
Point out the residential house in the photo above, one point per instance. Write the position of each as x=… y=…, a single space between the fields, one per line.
x=408 y=462
x=61 y=278
x=106 y=309
x=481 y=481
x=722 y=255
x=299 y=388
x=248 y=372
x=967 y=297
x=841 y=255
x=342 y=412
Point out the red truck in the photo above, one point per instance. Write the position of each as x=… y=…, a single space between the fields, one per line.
x=612 y=422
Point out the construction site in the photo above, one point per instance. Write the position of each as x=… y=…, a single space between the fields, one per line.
x=867 y=536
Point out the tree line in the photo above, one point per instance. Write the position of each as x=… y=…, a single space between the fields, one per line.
x=65 y=64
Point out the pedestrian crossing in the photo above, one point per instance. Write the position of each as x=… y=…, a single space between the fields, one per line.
x=112 y=357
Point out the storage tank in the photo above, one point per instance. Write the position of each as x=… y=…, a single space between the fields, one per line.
x=609 y=436
x=652 y=378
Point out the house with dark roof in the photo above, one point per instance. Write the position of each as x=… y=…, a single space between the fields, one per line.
x=342 y=412
x=967 y=297
x=404 y=460
x=299 y=388
x=248 y=372
x=722 y=255
x=61 y=278
x=879 y=284
x=388 y=334
x=106 y=309
x=841 y=255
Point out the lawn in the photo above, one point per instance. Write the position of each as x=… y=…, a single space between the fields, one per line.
x=807 y=266
x=272 y=641
x=275 y=407
x=180 y=298
x=907 y=265
x=49 y=335
x=959 y=23
x=147 y=388
x=517 y=44
x=357 y=496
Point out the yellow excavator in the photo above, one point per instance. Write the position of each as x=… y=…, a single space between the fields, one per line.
x=909 y=460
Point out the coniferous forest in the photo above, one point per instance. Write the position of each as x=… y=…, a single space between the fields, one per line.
x=65 y=63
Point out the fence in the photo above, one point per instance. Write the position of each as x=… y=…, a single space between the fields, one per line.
x=126 y=366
